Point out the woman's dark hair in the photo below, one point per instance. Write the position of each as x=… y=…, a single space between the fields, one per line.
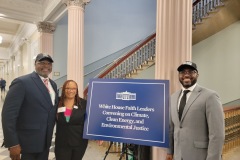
x=61 y=100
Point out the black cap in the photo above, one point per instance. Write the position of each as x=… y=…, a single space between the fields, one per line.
x=42 y=56
x=187 y=64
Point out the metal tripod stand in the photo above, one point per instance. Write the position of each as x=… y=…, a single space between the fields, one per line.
x=123 y=151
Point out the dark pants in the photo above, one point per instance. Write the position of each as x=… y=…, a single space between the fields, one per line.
x=36 y=156
x=68 y=153
x=3 y=88
x=143 y=152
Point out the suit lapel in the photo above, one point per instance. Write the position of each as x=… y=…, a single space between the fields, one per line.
x=71 y=117
x=175 y=104
x=37 y=80
x=55 y=90
x=195 y=93
x=73 y=112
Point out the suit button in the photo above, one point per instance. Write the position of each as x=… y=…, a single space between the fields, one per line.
x=180 y=126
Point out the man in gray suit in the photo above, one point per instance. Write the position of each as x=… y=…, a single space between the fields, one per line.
x=29 y=111
x=196 y=127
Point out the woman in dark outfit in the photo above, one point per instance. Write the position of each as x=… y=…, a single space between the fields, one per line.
x=69 y=142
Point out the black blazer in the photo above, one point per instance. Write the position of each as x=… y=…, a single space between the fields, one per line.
x=28 y=115
x=70 y=134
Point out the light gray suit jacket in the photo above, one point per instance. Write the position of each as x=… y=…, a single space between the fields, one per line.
x=199 y=135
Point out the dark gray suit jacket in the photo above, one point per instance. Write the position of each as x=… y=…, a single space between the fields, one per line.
x=199 y=135
x=28 y=115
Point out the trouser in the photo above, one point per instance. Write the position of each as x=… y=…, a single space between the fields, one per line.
x=36 y=156
x=69 y=153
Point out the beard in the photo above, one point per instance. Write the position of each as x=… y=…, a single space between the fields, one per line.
x=188 y=83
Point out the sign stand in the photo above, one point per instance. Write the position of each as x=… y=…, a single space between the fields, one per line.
x=124 y=151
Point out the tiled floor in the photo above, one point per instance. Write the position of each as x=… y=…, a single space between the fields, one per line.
x=233 y=154
x=93 y=152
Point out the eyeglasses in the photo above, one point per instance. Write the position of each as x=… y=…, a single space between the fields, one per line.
x=44 y=63
x=191 y=72
x=70 y=89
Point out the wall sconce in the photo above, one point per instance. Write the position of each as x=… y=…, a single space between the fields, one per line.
x=20 y=67
x=56 y=73
x=25 y=39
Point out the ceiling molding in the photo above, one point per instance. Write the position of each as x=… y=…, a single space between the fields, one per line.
x=51 y=8
x=25 y=11
x=24 y=32
x=19 y=19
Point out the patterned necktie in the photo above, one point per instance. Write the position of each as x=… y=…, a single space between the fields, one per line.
x=46 y=83
x=182 y=103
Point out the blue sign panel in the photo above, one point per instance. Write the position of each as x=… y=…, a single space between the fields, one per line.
x=131 y=111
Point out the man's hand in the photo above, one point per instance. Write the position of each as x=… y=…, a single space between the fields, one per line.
x=14 y=152
x=169 y=157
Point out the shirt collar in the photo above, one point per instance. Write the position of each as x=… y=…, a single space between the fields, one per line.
x=42 y=78
x=190 y=88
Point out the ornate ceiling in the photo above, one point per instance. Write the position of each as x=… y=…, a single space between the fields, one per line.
x=19 y=16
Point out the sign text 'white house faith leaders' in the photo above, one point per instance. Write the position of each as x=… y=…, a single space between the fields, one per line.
x=131 y=111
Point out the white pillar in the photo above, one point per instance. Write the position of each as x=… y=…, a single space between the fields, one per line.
x=173 y=45
x=46 y=30
x=75 y=42
x=28 y=60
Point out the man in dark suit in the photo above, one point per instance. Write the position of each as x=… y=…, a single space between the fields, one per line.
x=29 y=111
x=3 y=85
x=196 y=121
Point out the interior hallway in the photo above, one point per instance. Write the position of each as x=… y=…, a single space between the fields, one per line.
x=94 y=151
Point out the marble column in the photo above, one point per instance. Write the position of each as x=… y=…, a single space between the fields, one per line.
x=76 y=42
x=46 y=30
x=173 y=45
x=26 y=65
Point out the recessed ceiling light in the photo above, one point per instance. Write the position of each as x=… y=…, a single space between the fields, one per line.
x=2 y=15
x=0 y=39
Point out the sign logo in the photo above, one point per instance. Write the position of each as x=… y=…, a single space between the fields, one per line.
x=126 y=96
